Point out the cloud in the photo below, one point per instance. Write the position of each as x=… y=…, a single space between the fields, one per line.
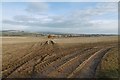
x=76 y=21
x=13 y=27
x=109 y=25
x=101 y=9
x=37 y=7
x=50 y=21
x=24 y=18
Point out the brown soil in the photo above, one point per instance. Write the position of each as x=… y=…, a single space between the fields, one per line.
x=51 y=60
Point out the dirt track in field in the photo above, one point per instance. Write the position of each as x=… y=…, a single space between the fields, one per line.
x=50 y=60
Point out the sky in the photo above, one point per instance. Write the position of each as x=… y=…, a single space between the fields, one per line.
x=63 y=17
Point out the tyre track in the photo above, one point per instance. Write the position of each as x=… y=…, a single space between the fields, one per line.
x=53 y=58
x=53 y=65
x=65 y=69
x=49 y=60
x=35 y=51
x=5 y=67
x=88 y=68
x=24 y=67
x=43 y=50
x=25 y=70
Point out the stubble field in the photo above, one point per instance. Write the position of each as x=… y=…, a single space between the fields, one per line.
x=79 y=57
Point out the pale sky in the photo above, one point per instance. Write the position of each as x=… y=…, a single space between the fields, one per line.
x=65 y=17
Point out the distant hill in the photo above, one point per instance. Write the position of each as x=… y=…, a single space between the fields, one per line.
x=37 y=34
x=18 y=33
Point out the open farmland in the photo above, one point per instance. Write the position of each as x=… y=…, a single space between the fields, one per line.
x=78 y=57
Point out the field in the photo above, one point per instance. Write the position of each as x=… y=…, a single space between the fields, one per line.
x=78 y=57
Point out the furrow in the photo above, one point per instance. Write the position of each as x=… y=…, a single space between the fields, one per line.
x=69 y=66
x=22 y=61
x=53 y=65
x=88 y=67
